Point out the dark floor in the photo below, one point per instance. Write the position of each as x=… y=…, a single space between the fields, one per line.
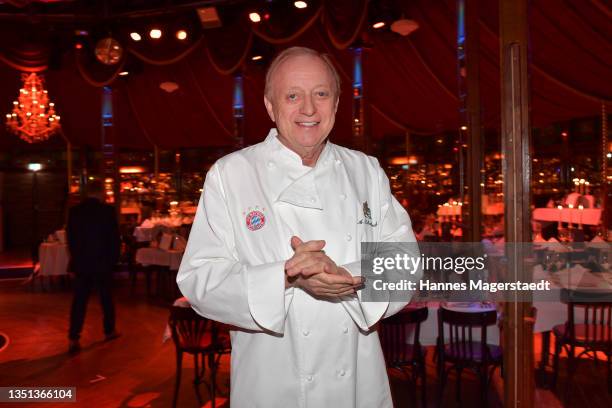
x=137 y=370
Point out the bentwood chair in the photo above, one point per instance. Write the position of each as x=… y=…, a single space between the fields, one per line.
x=466 y=349
x=202 y=338
x=593 y=335
x=400 y=351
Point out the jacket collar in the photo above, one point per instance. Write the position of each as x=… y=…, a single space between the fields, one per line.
x=302 y=191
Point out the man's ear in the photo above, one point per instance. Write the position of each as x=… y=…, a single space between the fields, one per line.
x=269 y=108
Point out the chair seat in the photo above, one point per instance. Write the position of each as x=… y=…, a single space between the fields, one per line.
x=464 y=354
x=604 y=336
x=204 y=345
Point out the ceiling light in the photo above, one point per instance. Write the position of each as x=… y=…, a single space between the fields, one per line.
x=209 y=17
x=256 y=57
x=254 y=17
x=135 y=36
x=181 y=35
x=155 y=33
x=404 y=27
x=300 y=4
x=34 y=166
x=378 y=24
x=123 y=73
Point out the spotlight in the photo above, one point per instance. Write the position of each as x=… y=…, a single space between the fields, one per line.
x=255 y=17
x=181 y=35
x=78 y=46
x=256 y=57
x=135 y=36
x=123 y=73
x=378 y=24
x=463 y=127
x=155 y=33
x=609 y=155
x=300 y=4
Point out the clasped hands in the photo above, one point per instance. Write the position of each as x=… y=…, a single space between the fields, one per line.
x=313 y=271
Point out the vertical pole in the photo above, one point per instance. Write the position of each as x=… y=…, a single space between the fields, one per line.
x=69 y=165
x=178 y=175
x=359 y=136
x=604 y=170
x=516 y=166
x=84 y=174
x=156 y=162
x=469 y=79
x=408 y=148
x=567 y=184
x=238 y=106
x=109 y=169
x=463 y=91
x=35 y=233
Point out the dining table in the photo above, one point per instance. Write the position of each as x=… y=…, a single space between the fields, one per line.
x=53 y=259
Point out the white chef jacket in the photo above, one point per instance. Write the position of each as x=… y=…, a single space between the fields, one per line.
x=290 y=349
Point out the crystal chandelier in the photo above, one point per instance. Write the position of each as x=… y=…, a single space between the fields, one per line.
x=33 y=118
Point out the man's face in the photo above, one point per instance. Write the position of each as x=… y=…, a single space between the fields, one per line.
x=303 y=104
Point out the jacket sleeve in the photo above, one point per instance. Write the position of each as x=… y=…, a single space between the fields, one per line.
x=395 y=226
x=216 y=283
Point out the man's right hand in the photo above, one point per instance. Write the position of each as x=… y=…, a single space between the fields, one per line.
x=312 y=270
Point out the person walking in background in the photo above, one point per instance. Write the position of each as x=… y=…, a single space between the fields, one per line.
x=93 y=241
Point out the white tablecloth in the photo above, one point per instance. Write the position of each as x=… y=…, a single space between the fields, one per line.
x=429 y=328
x=156 y=256
x=587 y=216
x=53 y=258
x=143 y=234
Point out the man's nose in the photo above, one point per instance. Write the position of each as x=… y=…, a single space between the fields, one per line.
x=308 y=107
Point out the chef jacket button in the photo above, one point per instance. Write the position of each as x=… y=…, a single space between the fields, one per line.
x=343 y=196
x=309 y=378
x=270 y=164
x=338 y=161
x=342 y=373
x=345 y=330
x=349 y=237
x=313 y=200
x=305 y=332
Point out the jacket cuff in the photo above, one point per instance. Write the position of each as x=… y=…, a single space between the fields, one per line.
x=266 y=295
x=364 y=314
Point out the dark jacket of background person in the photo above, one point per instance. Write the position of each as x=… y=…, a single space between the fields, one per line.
x=93 y=237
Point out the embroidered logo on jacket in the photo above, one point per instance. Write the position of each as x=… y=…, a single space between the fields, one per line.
x=367 y=216
x=255 y=220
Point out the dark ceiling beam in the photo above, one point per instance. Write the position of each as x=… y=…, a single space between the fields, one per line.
x=24 y=16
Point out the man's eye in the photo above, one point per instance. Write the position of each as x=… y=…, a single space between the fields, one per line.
x=292 y=97
x=322 y=94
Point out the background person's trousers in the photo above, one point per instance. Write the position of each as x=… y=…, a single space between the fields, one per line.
x=83 y=286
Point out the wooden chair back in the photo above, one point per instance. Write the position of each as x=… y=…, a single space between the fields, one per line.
x=395 y=332
x=461 y=327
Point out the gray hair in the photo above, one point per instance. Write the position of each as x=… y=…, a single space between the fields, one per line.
x=297 y=52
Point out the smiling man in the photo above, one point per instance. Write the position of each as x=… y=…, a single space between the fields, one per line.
x=275 y=248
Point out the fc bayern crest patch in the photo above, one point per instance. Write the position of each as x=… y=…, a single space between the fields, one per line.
x=255 y=220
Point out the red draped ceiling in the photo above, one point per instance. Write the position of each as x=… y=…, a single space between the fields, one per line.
x=410 y=82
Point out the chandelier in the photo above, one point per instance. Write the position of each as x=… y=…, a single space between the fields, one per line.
x=33 y=118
